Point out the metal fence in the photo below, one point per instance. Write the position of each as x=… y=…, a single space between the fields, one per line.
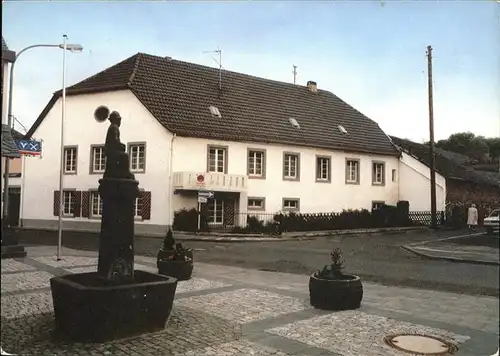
x=265 y=222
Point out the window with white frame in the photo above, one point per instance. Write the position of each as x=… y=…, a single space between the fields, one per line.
x=290 y=204
x=256 y=163
x=352 y=171
x=377 y=205
x=215 y=208
x=378 y=169
x=70 y=160
x=323 y=169
x=256 y=203
x=137 y=154
x=137 y=208
x=98 y=159
x=95 y=204
x=291 y=166
x=68 y=203
x=217 y=159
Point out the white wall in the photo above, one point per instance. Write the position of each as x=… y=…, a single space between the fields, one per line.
x=42 y=175
x=191 y=155
x=415 y=185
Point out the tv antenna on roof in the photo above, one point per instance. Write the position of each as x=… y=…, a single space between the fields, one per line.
x=219 y=62
x=294 y=74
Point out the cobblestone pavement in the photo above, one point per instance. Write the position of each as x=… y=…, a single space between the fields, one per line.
x=232 y=311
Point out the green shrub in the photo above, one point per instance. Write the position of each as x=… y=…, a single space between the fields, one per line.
x=187 y=220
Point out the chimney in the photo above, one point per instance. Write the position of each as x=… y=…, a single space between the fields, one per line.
x=313 y=87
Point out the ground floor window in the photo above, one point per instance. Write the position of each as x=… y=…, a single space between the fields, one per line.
x=215 y=209
x=68 y=203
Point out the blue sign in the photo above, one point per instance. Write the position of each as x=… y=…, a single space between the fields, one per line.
x=29 y=147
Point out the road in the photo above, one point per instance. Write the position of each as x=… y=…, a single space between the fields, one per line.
x=375 y=257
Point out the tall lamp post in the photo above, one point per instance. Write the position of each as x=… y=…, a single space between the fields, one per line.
x=65 y=47
x=72 y=48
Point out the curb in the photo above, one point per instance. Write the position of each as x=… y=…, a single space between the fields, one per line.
x=228 y=237
x=451 y=259
x=236 y=238
x=288 y=236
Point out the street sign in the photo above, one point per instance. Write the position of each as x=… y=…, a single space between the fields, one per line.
x=29 y=147
x=205 y=194
x=202 y=200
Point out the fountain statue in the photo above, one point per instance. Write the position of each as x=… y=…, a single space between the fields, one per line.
x=115 y=301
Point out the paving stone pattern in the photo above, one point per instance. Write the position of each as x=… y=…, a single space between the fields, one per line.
x=211 y=322
x=67 y=261
x=336 y=332
x=87 y=269
x=252 y=305
x=236 y=348
x=10 y=265
x=24 y=304
x=25 y=281
x=187 y=330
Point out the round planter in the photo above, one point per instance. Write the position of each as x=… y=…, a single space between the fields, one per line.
x=189 y=253
x=164 y=254
x=340 y=294
x=182 y=270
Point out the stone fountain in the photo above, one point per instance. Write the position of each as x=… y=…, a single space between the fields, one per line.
x=115 y=301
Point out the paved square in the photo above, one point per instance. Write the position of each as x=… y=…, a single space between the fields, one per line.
x=187 y=330
x=14 y=306
x=67 y=261
x=198 y=284
x=25 y=281
x=235 y=348
x=335 y=332
x=245 y=305
x=88 y=269
x=10 y=265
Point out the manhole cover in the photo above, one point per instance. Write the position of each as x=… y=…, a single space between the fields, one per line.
x=420 y=344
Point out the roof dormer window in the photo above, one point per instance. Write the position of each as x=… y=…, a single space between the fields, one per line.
x=342 y=129
x=214 y=111
x=294 y=123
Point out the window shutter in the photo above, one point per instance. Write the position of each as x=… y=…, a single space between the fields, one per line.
x=77 y=200
x=57 y=202
x=145 y=205
x=85 y=204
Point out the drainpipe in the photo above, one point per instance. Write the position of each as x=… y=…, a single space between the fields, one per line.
x=170 y=192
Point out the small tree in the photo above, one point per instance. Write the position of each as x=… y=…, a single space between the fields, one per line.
x=168 y=241
x=333 y=270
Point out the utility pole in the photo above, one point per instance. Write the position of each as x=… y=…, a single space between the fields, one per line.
x=294 y=74
x=432 y=152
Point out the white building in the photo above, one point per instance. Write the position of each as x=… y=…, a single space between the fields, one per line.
x=259 y=145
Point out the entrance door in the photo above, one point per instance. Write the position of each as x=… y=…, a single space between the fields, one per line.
x=14 y=206
x=215 y=208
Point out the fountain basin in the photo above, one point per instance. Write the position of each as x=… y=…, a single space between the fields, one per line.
x=87 y=309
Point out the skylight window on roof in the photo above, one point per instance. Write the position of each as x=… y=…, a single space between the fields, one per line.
x=214 y=111
x=342 y=130
x=294 y=123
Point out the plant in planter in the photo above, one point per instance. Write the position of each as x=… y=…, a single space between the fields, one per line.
x=174 y=260
x=332 y=289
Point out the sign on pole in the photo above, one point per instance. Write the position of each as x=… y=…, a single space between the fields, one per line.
x=205 y=194
x=29 y=147
x=202 y=199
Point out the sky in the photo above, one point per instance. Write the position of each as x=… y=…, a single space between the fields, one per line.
x=372 y=54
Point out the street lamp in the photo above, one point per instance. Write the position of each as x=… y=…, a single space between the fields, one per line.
x=75 y=48
x=65 y=47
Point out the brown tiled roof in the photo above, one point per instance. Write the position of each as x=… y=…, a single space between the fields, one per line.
x=9 y=148
x=253 y=109
x=4 y=45
x=447 y=167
